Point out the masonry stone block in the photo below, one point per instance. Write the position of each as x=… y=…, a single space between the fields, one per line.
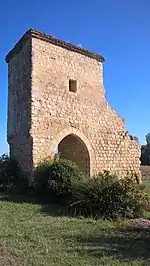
x=46 y=113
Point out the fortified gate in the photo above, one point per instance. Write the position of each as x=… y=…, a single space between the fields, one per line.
x=56 y=99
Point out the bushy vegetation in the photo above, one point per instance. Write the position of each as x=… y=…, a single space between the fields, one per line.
x=145 y=154
x=105 y=196
x=145 y=151
x=102 y=196
x=10 y=175
x=57 y=179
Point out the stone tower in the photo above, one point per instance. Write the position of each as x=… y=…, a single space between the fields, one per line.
x=56 y=99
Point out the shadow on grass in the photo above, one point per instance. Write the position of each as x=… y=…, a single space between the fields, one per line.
x=124 y=244
x=28 y=196
x=49 y=205
x=128 y=244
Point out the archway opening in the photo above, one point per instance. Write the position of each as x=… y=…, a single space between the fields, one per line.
x=74 y=149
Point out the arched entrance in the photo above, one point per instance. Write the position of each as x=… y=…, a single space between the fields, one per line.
x=74 y=149
x=84 y=143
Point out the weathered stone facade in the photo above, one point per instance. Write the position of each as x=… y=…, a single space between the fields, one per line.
x=43 y=113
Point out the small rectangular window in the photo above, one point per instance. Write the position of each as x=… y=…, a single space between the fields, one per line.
x=72 y=85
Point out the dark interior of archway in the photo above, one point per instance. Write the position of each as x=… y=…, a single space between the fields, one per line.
x=73 y=149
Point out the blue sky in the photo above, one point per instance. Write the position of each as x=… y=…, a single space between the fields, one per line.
x=117 y=29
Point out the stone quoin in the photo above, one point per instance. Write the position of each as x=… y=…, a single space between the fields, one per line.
x=56 y=98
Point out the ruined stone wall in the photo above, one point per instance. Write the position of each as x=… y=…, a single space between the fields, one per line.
x=56 y=108
x=71 y=148
x=19 y=107
x=56 y=112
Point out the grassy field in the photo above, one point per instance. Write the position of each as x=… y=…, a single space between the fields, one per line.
x=35 y=234
x=145 y=171
x=147 y=186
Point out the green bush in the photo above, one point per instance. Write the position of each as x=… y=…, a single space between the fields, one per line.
x=57 y=178
x=104 y=196
x=10 y=175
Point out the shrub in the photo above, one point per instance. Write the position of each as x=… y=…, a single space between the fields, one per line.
x=10 y=175
x=57 y=178
x=104 y=196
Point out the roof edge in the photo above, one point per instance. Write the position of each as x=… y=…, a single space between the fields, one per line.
x=31 y=33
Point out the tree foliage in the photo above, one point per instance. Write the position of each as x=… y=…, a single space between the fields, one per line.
x=145 y=151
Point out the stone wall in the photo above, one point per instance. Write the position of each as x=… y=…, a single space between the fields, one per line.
x=51 y=111
x=19 y=107
x=71 y=148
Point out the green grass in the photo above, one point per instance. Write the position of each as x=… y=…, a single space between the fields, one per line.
x=35 y=234
x=31 y=234
x=146 y=182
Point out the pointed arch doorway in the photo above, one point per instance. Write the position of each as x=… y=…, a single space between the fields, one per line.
x=72 y=148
